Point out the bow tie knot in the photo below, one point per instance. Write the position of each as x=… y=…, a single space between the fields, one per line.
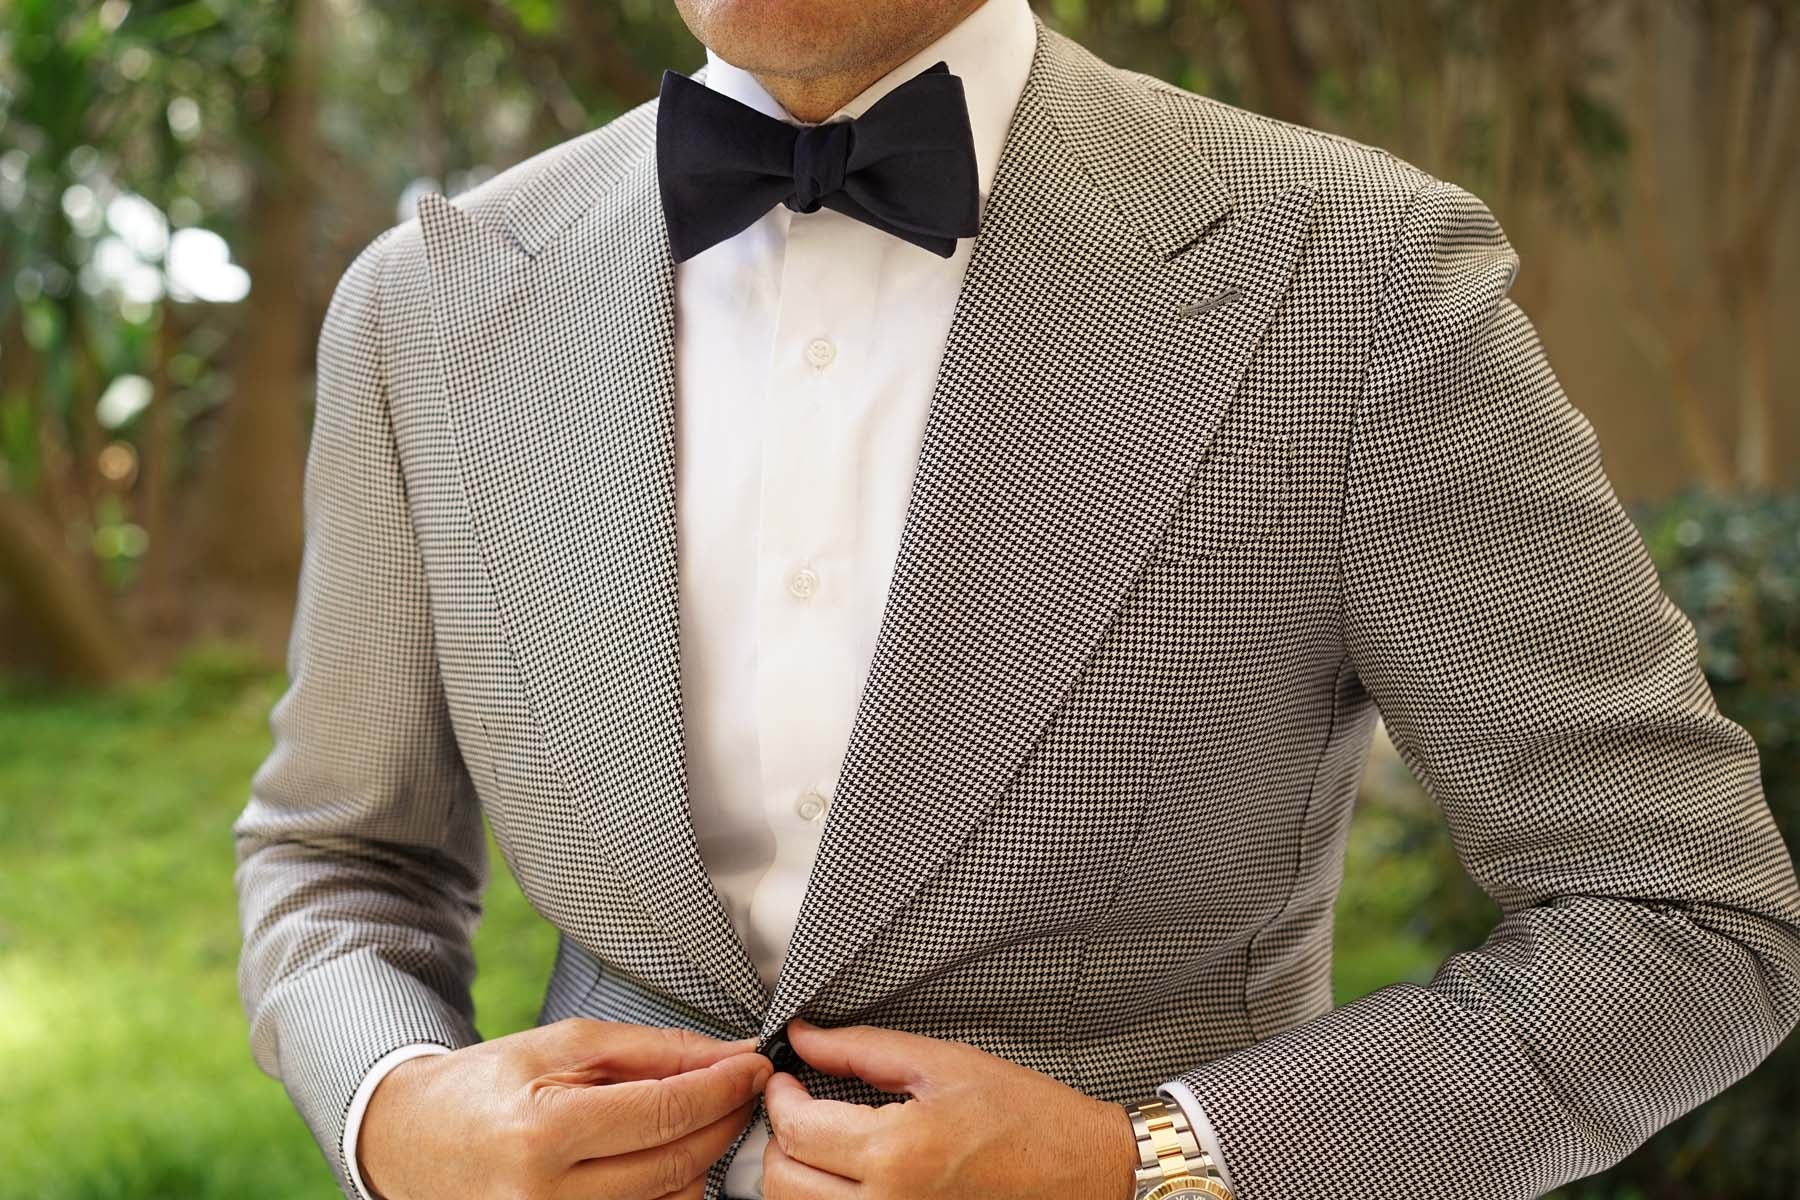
x=905 y=166
x=821 y=159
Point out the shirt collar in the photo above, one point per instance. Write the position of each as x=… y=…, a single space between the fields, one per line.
x=990 y=49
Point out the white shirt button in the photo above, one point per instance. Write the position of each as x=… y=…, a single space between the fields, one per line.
x=820 y=352
x=811 y=806
x=804 y=583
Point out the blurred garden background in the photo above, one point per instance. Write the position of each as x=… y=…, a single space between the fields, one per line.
x=182 y=182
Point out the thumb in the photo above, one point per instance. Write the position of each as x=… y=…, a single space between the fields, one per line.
x=886 y=1058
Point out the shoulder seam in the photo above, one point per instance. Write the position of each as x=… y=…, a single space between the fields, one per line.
x=1359 y=407
x=383 y=373
x=379 y=247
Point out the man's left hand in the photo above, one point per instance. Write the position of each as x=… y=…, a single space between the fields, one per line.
x=975 y=1125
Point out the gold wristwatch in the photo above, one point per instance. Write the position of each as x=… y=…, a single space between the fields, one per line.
x=1171 y=1164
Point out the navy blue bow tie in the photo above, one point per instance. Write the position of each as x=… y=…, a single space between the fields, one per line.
x=906 y=166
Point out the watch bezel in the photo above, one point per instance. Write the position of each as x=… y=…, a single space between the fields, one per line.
x=1184 y=1186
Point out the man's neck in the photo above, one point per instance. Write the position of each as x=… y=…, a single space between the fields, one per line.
x=812 y=98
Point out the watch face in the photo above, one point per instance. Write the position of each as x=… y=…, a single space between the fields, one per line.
x=1191 y=1188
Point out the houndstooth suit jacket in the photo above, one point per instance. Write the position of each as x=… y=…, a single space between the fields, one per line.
x=1237 y=443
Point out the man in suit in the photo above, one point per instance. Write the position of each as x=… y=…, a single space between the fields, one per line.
x=906 y=537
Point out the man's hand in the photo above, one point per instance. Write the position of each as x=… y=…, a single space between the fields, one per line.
x=976 y=1126
x=577 y=1110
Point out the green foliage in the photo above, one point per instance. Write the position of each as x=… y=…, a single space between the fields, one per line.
x=1733 y=565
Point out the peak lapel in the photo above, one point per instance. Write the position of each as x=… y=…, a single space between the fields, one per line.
x=559 y=368
x=1072 y=404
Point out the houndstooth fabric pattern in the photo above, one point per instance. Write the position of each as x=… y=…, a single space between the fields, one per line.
x=1237 y=444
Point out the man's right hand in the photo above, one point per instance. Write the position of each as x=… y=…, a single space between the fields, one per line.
x=577 y=1110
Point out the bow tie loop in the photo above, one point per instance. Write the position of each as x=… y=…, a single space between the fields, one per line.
x=821 y=160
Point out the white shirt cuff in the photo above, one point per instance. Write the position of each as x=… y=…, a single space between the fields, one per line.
x=359 y=1103
x=1183 y=1095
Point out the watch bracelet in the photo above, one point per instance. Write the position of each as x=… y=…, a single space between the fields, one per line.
x=1168 y=1147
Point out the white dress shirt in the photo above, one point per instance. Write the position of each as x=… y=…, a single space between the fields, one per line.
x=806 y=349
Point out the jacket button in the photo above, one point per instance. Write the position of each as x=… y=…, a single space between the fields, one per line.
x=780 y=1052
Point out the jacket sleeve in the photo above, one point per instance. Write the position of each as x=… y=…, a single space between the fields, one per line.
x=1503 y=614
x=361 y=854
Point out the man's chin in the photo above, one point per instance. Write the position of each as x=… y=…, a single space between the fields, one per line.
x=802 y=39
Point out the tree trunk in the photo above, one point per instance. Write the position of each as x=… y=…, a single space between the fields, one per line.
x=61 y=603
x=1281 y=68
x=246 y=510
x=157 y=598
x=1755 y=433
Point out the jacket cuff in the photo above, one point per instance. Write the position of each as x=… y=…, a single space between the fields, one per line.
x=1204 y=1133
x=322 y=1031
x=359 y=1104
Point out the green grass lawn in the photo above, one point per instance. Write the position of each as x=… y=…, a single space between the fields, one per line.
x=125 y=1068
x=124 y=1065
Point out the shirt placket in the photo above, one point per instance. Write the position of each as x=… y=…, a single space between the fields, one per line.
x=807 y=547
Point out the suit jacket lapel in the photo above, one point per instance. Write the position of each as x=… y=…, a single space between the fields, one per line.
x=557 y=341
x=1071 y=406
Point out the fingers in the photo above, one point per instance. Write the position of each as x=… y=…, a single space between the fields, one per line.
x=787 y=1178
x=587 y=1051
x=617 y=1118
x=888 y=1059
x=827 y=1134
x=677 y=1169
